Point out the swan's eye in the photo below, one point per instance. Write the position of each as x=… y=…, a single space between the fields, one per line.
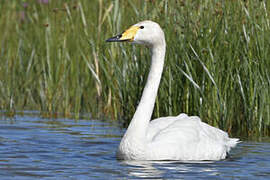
x=141 y=27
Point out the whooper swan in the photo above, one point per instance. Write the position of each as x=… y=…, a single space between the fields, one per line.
x=168 y=138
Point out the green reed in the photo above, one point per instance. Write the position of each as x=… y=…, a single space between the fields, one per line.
x=54 y=59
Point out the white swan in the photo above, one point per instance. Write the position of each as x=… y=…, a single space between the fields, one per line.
x=168 y=138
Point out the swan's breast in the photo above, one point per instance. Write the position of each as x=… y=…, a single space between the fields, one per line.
x=131 y=149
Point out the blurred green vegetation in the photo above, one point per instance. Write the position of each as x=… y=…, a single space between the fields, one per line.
x=54 y=59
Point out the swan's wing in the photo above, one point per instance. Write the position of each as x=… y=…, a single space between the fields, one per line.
x=165 y=125
x=180 y=129
x=157 y=125
x=184 y=137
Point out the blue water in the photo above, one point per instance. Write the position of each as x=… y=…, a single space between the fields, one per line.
x=36 y=148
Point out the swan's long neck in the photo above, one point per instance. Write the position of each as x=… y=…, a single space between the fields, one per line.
x=139 y=123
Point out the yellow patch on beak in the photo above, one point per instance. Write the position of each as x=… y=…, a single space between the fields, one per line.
x=130 y=33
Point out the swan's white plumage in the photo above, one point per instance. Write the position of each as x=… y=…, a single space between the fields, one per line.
x=192 y=139
x=168 y=138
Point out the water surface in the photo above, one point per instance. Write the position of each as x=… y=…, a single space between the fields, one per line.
x=35 y=148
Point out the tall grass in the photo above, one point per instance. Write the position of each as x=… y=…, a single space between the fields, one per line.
x=54 y=59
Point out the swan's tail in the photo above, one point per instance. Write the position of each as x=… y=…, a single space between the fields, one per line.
x=232 y=143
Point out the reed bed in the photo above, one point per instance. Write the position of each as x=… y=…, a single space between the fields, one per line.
x=54 y=59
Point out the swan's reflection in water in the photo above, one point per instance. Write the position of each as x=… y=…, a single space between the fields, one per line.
x=159 y=169
x=143 y=169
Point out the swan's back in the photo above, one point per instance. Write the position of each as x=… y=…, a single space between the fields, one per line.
x=186 y=138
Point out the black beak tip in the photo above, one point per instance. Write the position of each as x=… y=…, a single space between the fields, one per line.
x=110 y=40
x=114 y=39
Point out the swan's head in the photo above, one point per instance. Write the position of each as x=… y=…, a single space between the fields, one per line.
x=145 y=32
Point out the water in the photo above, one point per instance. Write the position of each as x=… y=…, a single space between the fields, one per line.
x=36 y=148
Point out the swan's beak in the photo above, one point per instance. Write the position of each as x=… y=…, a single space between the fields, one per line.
x=128 y=35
